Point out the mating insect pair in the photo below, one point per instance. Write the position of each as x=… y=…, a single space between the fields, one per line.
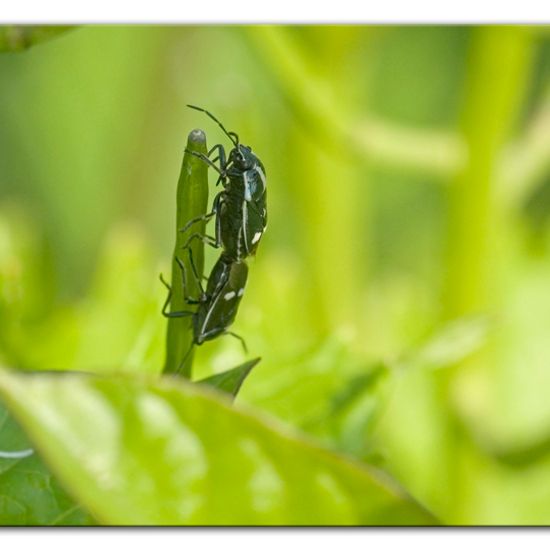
x=241 y=219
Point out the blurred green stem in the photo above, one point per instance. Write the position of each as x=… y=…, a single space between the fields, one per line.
x=331 y=194
x=325 y=111
x=497 y=70
x=191 y=202
x=527 y=159
x=498 y=63
x=433 y=152
x=335 y=210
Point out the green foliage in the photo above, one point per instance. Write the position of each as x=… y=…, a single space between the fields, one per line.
x=140 y=452
x=397 y=300
x=29 y=493
x=231 y=380
x=20 y=37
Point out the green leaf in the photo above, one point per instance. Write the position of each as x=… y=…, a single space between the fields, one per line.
x=29 y=494
x=454 y=342
x=231 y=380
x=166 y=452
x=351 y=417
x=21 y=37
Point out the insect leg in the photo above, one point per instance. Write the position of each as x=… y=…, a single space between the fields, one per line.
x=217 y=206
x=221 y=156
x=167 y=302
x=192 y=221
x=190 y=301
x=240 y=338
x=206 y=239
x=195 y=272
x=169 y=297
x=205 y=159
x=184 y=360
x=204 y=217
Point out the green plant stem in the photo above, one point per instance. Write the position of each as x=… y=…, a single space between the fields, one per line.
x=191 y=202
x=332 y=196
x=499 y=60
x=320 y=106
x=498 y=65
x=391 y=145
x=527 y=160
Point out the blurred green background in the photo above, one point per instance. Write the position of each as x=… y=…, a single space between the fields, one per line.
x=400 y=299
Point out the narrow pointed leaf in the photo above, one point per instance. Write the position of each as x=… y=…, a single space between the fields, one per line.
x=231 y=381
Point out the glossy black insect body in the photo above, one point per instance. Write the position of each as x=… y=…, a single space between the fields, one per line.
x=218 y=304
x=241 y=208
x=224 y=291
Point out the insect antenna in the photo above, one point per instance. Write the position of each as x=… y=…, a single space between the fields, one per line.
x=231 y=135
x=185 y=357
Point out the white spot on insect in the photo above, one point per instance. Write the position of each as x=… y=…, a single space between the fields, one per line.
x=247 y=194
x=241 y=292
x=239 y=242
x=261 y=174
x=229 y=295
x=245 y=224
x=257 y=237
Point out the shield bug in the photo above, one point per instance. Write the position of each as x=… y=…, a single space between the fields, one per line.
x=218 y=304
x=240 y=208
